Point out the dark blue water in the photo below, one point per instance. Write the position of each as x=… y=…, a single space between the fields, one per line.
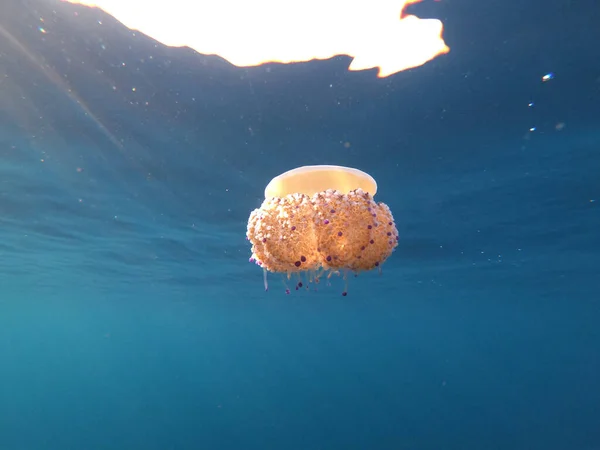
x=130 y=317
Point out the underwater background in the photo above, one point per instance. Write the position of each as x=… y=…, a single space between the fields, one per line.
x=130 y=317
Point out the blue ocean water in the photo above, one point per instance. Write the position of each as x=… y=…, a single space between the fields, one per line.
x=130 y=317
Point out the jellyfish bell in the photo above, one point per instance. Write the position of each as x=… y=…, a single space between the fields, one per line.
x=310 y=180
x=321 y=220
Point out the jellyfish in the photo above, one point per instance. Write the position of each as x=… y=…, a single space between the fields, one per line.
x=318 y=221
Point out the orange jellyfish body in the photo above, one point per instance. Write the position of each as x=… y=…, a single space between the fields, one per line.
x=320 y=219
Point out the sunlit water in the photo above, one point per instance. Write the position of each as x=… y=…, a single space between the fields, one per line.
x=131 y=318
